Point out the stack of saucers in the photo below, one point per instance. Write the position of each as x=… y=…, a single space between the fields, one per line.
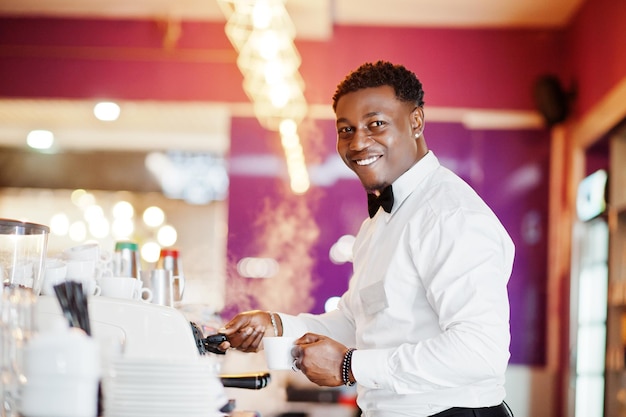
x=156 y=387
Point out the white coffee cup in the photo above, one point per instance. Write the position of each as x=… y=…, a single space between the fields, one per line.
x=118 y=287
x=278 y=352
x=80 y=268
x=55 y=271
x=86 y=251
x=90 y=285
x=90 y=251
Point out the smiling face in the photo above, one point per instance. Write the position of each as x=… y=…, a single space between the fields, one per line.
x=378 y=136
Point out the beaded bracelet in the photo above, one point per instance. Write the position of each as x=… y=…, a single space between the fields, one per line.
x=273 y=323
x=345 y=367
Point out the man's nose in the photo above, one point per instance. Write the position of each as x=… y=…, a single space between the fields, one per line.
x=360 y=140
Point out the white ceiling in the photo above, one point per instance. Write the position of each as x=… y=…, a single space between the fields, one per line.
x=314 y=19
x=143 y=125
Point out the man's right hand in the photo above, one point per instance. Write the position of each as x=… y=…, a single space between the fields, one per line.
x=246 y=330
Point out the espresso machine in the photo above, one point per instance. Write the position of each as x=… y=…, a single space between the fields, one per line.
x=138 y=340
x=138 y=331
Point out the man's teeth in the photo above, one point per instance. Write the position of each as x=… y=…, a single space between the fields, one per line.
x=366 y=161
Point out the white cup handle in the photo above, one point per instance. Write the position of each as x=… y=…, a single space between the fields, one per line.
x=97 y=290
x=145 y=294
x=181 y=285
x=97 y=273
x=105 y=257
x=103 y=270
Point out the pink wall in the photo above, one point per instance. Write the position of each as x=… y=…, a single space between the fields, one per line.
x=471 y=68
x=125 y=59
x=596 y=44
x=115 y=59
x=460 y=68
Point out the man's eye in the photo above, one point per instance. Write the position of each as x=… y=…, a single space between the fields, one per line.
x=344 y=130
x=377 y=123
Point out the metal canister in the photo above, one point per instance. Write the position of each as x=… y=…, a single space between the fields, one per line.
x=126 y=260
x=160 y=283
x=169 y=259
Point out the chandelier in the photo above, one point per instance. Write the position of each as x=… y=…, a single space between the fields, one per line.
x=263 y=34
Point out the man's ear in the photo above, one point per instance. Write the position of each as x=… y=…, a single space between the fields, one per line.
x=417 y=121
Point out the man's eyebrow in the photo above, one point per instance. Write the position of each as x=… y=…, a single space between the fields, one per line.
x=370 y=114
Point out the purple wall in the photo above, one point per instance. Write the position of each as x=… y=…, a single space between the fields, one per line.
x=508 y=168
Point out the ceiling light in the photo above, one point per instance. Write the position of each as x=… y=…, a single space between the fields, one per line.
x=288 y=127
x=40 y=139
x=106 y=111
x=263 y=34
x=261 y=15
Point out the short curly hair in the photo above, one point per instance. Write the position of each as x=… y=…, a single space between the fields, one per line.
x=405 y=83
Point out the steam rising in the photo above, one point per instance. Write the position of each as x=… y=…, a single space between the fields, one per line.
x=286 y=233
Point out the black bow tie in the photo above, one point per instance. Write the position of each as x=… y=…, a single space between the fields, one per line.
x=384 y=200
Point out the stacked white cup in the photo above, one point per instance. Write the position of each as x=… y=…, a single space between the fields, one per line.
x=86 y=263
x=62 y=372
x=55 y=271
x=92 y=267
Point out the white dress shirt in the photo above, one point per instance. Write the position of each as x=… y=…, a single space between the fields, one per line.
x=427 y=307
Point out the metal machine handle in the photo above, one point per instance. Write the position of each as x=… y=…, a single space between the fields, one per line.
x=248 y=381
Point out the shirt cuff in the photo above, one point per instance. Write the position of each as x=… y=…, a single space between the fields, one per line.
x=370 y=368
x=292 y=325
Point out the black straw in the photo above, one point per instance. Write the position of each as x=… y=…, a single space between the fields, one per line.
x=74 y=305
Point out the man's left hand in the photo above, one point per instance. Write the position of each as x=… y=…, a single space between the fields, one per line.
x=320 y=359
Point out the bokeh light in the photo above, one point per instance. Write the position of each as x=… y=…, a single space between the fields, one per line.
x=123 y=210
x=150 y=252
x=167 y=235
x=153 y=216
x=60 y=224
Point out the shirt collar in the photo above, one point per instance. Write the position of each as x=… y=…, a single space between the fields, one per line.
x=407 y=182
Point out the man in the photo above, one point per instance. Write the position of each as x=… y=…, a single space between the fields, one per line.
x=424 y=326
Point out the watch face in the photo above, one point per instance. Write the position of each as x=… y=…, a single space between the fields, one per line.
x=591 y=199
